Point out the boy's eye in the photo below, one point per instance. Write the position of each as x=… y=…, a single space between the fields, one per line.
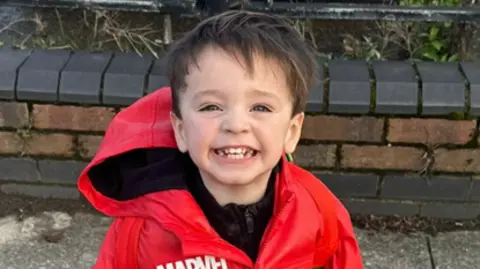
x=261 y=108
x=210 y=108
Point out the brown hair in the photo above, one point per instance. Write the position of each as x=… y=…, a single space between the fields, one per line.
x=244 y=34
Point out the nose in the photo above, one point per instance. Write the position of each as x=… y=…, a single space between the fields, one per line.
x=235 y=121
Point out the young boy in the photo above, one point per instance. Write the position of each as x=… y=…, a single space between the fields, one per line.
x=196 y=175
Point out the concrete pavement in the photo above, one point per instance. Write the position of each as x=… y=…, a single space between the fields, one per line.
x=34 y=243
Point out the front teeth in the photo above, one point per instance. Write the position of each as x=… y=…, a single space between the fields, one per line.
x=235 y=153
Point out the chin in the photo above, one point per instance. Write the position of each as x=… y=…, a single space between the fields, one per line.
x=235 y=181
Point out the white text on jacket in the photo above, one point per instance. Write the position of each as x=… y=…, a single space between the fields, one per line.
x=206 y=262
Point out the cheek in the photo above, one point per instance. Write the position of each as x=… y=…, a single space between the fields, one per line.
x=199 y=132
x=273 y=134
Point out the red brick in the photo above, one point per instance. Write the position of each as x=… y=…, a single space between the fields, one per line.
x=72 y=117
x=10 y=143
x=430 y=131
x=89 y=145
x=381 y=157
x=458 y=160
x=13 y=115
x=315 y=155
x=334 y=128
x=49 y=144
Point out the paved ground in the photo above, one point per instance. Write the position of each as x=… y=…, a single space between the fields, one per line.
x=25 y=244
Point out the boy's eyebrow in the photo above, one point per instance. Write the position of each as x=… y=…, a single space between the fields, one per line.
x=258 y=92
x=206 y=93
x=253 y=92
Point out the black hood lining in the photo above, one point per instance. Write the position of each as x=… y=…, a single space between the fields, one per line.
x=140 y=172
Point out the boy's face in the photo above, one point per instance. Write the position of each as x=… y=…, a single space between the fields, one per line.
x=236 y=126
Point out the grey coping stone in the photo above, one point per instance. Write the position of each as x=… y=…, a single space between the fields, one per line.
x=10 y=60
x=38 y=77
x=56 y=171
x=157 y=77
x=350 y=185
x=18 y=169
x=453 y=188
x=456 y=250
x=443 y=88
x=393 y=251
x=316 y=95
x=396 y=87
x=472 y=73
x=349 y=86
x=125 y=78
x=81 y=79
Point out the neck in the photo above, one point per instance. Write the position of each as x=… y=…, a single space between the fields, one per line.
x=237 y=194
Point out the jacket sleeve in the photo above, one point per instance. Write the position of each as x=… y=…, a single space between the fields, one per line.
x=105 y=259
x=348 y=254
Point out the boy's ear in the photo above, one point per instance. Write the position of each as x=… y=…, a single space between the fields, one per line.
x=294 y=133
x=179 y=131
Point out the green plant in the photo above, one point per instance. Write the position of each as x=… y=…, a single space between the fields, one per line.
x=436 y=42
x=427 y=41
x=366 y=48
x=436 y=45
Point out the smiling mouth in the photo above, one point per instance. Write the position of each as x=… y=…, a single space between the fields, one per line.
x=236 y=153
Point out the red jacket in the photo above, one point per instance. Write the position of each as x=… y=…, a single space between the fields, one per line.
x=125 y=179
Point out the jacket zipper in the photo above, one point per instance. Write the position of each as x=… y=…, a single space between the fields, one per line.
x=249 y=221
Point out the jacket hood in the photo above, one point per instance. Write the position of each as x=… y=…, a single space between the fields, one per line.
x=138 y=155
x=138 y=163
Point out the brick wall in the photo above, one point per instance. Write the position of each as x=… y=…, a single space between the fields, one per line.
x=404 y=166
x=401 y=163
x=44 y=147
